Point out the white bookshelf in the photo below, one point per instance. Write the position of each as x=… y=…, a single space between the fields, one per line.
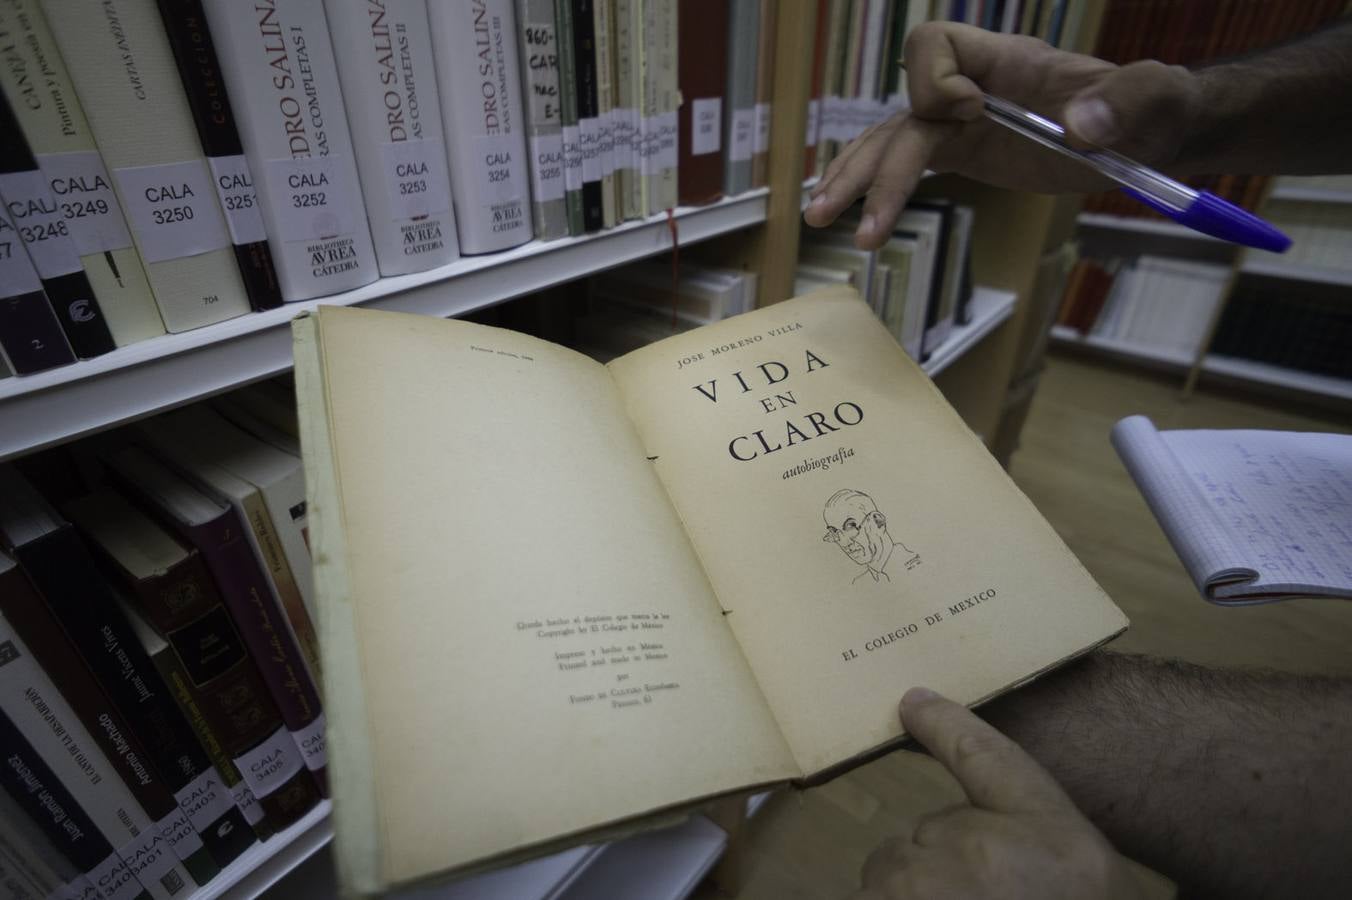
x=989 y=309
x=1295 y=271
x=59 y=404
x=1312 y=194
x=1213 y=364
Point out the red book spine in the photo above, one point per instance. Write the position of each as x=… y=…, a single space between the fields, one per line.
x=703 y=75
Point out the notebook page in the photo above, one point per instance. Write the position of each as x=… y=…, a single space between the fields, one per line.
x=1285 y=500
x=1189 y=521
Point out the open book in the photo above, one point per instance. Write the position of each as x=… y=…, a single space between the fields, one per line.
x=558 y=598
x=1256 y=516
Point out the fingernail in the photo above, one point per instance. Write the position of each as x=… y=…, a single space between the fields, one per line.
x=918 y=695
x=1092 y=120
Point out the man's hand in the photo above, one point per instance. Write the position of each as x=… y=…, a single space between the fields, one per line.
x=1021 y=836
x=1145 y=110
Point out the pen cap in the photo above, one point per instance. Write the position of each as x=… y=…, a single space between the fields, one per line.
x=1211 y=215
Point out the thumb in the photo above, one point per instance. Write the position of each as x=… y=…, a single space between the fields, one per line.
x=1141 y=109
x=995 y=773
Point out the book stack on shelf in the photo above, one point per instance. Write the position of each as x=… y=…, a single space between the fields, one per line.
x=1302 y=328
x=188 y=162
x=1163 y=306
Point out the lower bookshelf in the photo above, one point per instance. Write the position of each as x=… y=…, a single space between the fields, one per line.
x=1225 y=366
x=990 y=308
x=665 y=864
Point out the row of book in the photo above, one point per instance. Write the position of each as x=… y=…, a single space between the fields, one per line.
x=919 y=284
x=858 y=78
x=1151 y=301
x=170 y=164
x=159 y=708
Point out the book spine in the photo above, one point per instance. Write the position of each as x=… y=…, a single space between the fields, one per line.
x=572 y=149
x=667 y=128
x=220 y=692
x=123 y=69
x=739 y=108
x=46 y=234
x=245 y=593
x=69 y=676
x=279 y=66
x=53 y=123
x=604 y=44
x=34 y=788
x=539 y=38
x=186 y=27
x=384 y=55
x=703 y=76
x=628 y=105
x=479 y=78
x=38 y=710
x=78 y=598
x=812 y=133
x=588 y=113
x=30 y=334
x=765 y=87
x=30 y=854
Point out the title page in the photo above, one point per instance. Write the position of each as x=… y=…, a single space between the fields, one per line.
x=861 y=540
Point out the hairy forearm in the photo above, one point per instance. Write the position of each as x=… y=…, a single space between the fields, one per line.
x=1233 y=783
x=1287 y=109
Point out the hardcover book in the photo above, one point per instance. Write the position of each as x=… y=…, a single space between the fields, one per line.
x=30 y=334
x=123 y=68
x=279 y=66
x=758 y=533
x=384 y=54
x=703 y=78
x=185 y=24
x=479 y=79
x=538 y=35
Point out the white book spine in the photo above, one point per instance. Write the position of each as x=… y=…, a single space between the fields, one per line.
x=479 y=79
x=37 y=709
x=279 y=68
x=384 y=55
x=120 y=61
x=53 y=122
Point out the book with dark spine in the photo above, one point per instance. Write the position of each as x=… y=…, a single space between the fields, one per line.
x=215 y=530
x=588 y=112
x=538 y=34
x=42 y=714
x=30 y=334
x=45 y=233
x=31 y=784
x=211 y=674
x=703 y=78
x=572 y=150
x=45 y=639
x=71 y=587
x=185 y=23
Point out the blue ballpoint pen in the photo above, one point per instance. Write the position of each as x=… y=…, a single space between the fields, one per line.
x=1198 y=210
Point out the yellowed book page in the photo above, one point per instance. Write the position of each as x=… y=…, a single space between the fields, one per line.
x=862 y=539
x=539 y=650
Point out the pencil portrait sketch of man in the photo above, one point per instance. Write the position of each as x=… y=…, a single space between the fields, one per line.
x=854 y=523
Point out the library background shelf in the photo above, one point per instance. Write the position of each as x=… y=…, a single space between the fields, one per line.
x=990 y=308
x=1312 y=194
x=1294 y=271
x=1229 y=367
x=132 y=382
